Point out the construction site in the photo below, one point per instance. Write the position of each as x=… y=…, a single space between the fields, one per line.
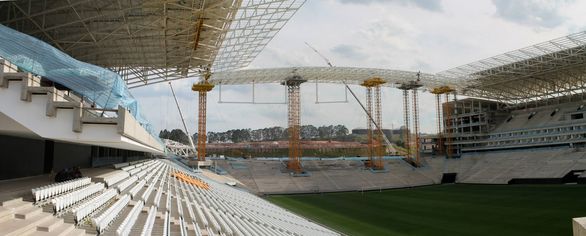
x=507 y=155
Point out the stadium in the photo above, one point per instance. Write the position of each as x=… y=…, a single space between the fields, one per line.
x=507 y=156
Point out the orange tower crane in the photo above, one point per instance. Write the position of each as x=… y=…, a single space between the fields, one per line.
x=202 y=88
x=376 y=149
x=293 y=84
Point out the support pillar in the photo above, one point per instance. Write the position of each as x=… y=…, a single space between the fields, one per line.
x=444 y=116
x=202 y=88
x=412 y=149
x=417 y=153
x=376 y=149
x=406 y=127
x=448 y=126
x=439 y=126
x=294 y=121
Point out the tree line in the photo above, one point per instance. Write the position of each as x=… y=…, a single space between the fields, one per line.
x=307 y=132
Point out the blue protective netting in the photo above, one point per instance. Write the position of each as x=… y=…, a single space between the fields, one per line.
x=103 y=87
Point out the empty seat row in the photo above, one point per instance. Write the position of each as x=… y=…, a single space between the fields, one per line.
x=115 y=178
x=49 y=191
x=150 y=221
x=126 y=183
x=134 y=190
x=134 y=171
x=145 y=195
x=87 y=208
x=127 y=168
x=126 y=225
x=71 y=198
x=103 y=220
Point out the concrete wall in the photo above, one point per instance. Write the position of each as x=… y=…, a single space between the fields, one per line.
x=20 y=157
x=71 y=155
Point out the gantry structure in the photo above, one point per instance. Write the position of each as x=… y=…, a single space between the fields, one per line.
x=153 y=41
x=370 y=78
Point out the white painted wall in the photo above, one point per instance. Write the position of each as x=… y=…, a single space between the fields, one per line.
x=31 y=115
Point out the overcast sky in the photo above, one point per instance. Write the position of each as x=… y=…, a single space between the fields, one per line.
x=418 y=35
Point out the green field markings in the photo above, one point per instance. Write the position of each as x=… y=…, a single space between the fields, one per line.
x=446 y=210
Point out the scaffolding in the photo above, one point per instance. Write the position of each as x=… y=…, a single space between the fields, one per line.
x=411 y=146
x=202 y=88
x=439 y=125
x=293 y=84
x=417 y=144
x=444 y=124
x=448 y=127
x=376 y=149
x=406 y=119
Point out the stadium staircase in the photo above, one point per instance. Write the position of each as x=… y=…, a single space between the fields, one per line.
x=30 y=107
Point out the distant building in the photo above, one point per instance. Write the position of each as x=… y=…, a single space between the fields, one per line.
x=427 y=143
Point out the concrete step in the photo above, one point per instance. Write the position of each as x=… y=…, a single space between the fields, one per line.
x=50 y=225
x=39 y=90
x=5 y=213
x=12 y=202
x=76 y=232
x=27 y=212
x=19 y=227
x=60 y=230
x=100 y=120
x=16 y=205
x=65 y=104
x=15 y=75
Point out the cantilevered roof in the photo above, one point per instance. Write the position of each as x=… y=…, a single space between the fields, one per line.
x=150 y=41
x=350 y=75
x=542 y=71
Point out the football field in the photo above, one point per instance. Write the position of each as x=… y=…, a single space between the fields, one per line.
x=446 y=210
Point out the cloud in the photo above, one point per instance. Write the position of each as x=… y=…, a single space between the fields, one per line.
x=349 y=51
x=430 y=5
x=544 y=13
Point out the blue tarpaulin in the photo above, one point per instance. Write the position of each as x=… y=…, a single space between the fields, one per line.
x=104 y=87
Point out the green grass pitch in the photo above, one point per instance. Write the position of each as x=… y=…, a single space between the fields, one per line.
x=446 y=210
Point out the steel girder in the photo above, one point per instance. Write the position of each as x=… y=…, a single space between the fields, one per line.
x=534 y=74
x=350 y=75
x=151 y=41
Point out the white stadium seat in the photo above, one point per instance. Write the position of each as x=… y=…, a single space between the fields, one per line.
x=49 y=191
x=69 y=199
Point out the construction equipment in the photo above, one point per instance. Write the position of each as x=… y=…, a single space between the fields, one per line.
x=376 y=148
x=181 y=116
x=202 y=88
x=368 y=113
x=444 y=138
x=293 y=84
x=413 y=152
x=417 y=144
